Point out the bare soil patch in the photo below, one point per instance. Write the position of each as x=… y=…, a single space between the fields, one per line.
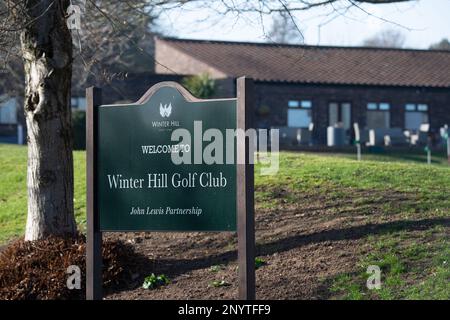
x=305 y=239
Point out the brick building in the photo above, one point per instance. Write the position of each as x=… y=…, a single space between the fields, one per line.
x=125 y=88
x=298 y=85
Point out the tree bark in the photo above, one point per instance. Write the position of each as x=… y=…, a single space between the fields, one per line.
x=47 y=53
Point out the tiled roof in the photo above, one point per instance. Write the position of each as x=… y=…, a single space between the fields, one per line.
x=322 y=64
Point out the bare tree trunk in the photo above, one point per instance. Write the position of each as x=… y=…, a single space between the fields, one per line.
x=47 y=53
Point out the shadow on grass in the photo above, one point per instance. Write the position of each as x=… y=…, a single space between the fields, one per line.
x=437 y=157
x=415 y=157
x=175 y=267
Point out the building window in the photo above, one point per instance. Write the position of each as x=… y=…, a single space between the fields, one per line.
x=416 y=115
x=78 y=103
x=293 y=104
x=422 y=107
x=384 y=106
x=340 y=115
x=299 y=113
x=378 y=115
x=8 y=110
x=372 y=106
x=306 y=104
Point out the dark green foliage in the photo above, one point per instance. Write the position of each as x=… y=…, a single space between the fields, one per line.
x=259 y=262
x=152 y=281
x=201 y=86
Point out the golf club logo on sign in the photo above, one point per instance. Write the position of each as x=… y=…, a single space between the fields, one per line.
x=165 y=110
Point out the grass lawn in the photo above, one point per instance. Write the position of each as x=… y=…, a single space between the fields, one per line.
x=13 y=190
x=388 y=193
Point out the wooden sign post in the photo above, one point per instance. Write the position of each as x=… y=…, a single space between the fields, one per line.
x=134 y=183
x=245 y=192
x=94 y=235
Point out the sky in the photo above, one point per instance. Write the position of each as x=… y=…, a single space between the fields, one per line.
x=422 y=23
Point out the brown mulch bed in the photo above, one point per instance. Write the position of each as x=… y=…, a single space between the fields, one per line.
x=38 y=269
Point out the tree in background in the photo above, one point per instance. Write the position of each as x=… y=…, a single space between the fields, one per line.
x=46 y=50
x=444 y=44
x=285 y=30
x=114 y=38
x=37 y=51
x=388 y=38
x=201 y=86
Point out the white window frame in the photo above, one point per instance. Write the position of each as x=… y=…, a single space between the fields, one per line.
x=374 y=107
x=299 y=109
x=418 y=109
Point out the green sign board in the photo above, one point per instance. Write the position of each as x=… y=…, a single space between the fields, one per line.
x=140 y=188
x=166 y=163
